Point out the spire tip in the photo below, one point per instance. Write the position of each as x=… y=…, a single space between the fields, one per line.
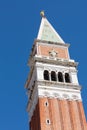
x=42 y=13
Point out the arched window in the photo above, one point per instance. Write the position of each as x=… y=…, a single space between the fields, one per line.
x=67 y=78
x=53 y=76
x=46 y=75
x=60 y=77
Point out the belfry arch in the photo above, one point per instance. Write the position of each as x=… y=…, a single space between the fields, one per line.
x=46 y=75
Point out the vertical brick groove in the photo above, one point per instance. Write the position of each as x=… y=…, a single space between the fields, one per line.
x=82 y=116
x=51 y=113
x=55 y=114
x=38 y=116
x=82 y=112
x=70 y=114
x=65 y=115
x=75 y=115
x=61 y=116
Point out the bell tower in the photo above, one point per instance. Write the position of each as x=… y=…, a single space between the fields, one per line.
x=54 y=94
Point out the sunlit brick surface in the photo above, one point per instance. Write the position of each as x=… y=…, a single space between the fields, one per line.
x=63 y=115
x=44 y=51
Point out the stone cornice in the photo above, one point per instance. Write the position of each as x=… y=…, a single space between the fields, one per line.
x=59 y=84
x=53 y=60
x=51 y=43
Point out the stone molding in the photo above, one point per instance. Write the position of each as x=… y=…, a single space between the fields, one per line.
x=60 y=95
x=52 y=60
x=49 y=43
x=59 y=84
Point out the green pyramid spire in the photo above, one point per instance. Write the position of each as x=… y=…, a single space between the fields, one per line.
x=47 y=32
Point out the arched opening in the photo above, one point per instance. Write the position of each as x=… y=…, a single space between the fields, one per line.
x=67 y=78
x=60 y=77
x=53 y=76
x=46 y=75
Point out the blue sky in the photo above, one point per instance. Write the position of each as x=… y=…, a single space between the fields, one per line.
x=19 y=24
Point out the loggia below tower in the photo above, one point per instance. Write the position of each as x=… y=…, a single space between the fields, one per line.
x=54 y=94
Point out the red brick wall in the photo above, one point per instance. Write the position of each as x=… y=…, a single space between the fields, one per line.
x=63 y=115
x=44 y=50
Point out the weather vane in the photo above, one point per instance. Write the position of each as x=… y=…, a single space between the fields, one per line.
x=42 y=13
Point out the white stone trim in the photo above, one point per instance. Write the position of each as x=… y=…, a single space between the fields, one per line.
x=60 y=94
x=58 y=45
x=32 y=104
x=40 y=29
x=54 y=90
x=54 y=60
